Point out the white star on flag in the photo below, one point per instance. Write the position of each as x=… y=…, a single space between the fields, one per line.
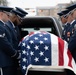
x=28 y=47
x=24 y=52
x=36 y=47
x=24 y=59
x=46 y=59
x=36 y=38
x=24 y=67
x=45 y=38
x=40 y=35
x=46 y=47
x=31 y=41
x=23 y=44
x=32 y=53
x=41 y=53
x=41 y=42
x=36 y=59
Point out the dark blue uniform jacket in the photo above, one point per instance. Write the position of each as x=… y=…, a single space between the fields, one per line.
x=6 y=49
x=13 y=32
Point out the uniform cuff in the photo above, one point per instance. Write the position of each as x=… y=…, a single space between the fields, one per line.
x=16 y=55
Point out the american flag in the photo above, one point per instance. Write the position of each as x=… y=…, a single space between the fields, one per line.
x=46 y=49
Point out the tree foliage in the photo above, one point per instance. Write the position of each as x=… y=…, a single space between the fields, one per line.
x=3 y=2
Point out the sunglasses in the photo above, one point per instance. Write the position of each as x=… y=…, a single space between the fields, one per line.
x=21 y=19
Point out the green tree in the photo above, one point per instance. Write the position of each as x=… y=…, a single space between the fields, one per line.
x=72 y=2
x=3 y=2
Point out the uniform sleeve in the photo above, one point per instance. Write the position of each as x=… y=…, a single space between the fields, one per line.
x=72 y=43
x=72 y=46
x=6 y=46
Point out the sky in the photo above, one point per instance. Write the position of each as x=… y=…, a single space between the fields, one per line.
x=35 y=3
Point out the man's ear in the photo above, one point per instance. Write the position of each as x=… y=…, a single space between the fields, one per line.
x=14 y=17
x=1 y=13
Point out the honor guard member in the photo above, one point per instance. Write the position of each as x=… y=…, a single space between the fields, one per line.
x=72 y=46
x=62 y=18
x=17 y=18
x=68 y=28
x=63 y=15
x=72 y=42
x=23 y=12
x=7 y=52
x=63 y=21
x=12 y=27
x=72 y=8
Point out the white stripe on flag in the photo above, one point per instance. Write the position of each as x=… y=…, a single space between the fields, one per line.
x=66 y=59
x=54 y=50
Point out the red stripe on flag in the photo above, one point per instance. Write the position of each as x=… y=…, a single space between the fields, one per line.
x=21 y=39
x=61 y=52
x=70 y=58
x=31 y=33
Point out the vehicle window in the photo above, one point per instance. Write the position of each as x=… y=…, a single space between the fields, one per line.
x=33 y=29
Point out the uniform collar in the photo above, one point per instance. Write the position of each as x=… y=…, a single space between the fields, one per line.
x=66 y=23
x=3 y=22
x=12 y=23
x=72 y=22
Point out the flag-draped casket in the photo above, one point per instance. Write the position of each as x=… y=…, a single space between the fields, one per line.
x=44 y=49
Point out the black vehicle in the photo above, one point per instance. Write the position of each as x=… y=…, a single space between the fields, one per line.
x=35 y=23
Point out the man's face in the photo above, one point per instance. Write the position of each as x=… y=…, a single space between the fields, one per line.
x=18 y=20
x=70 y=18
x=63 y=20
x=5 y=17
x=15 y=19
x=74 y=14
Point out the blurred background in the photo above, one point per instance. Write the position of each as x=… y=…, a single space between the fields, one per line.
x=39 y=7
